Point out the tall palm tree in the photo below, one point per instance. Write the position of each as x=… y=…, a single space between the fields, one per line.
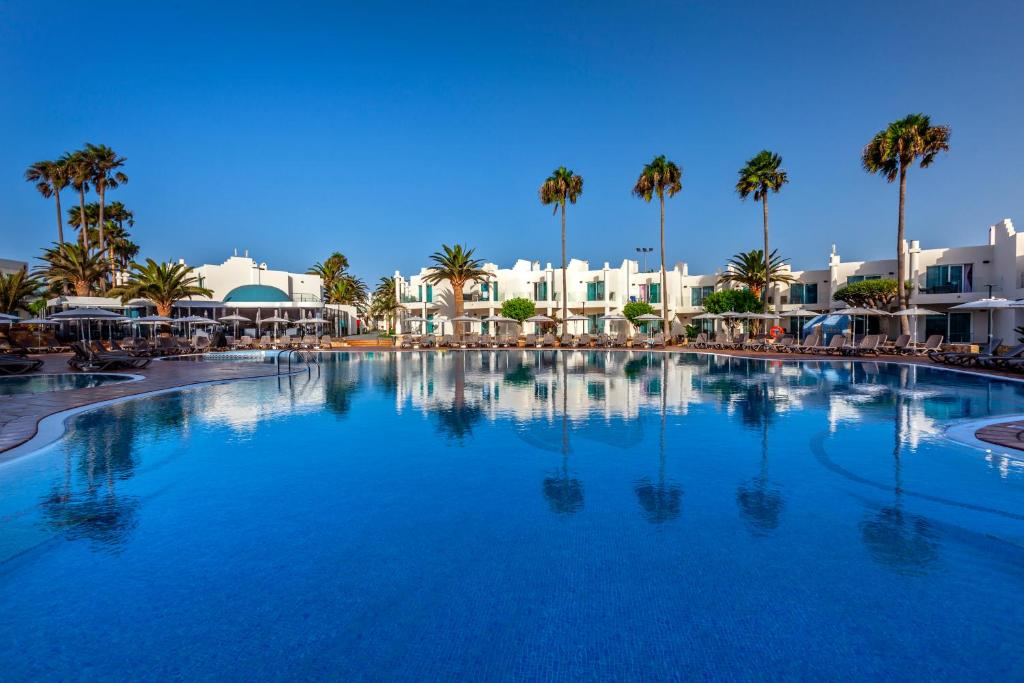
x=561 y=187
x=762 y=174
x=72 y=266
x=385 y=302
x=747 y=269
x=660 y=177
x=330 y=270
x=50 y=177
x=457 y=265
x=16 y=290
x=161 y=283
x=106 y=175
x=79 y=175
x=92 y=215
x=890 y=153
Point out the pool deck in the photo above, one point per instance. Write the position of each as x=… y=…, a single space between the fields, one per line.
x=20 y=417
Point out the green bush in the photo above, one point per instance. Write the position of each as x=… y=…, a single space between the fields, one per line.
x=634 y=309
x=518 y=308
x=868 y=293
x=738 y=300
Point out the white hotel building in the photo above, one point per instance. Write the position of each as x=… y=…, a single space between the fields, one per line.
x=942 y=277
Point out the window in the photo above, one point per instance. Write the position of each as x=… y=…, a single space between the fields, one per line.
x=484 y=292
x=949 y=279
x=698 y=294
x=954 y=327
x=595 y=324
x=494 y=291
x=853 y=279
x=430 y=323
x=803 y=293
x=595 y=291
x=540 y=291
x=430 y=293
x=654 y=293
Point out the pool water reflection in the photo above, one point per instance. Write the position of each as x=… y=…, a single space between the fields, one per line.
x=495 y=515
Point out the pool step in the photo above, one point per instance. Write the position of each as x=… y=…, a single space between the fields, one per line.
x=370 y=342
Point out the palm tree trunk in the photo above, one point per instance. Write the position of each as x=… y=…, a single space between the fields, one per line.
x=901 y=257
x=60 y=220
x=767 y=258
x=664 y=293
x=565 y=293
x=83 y=223
x=103 y=194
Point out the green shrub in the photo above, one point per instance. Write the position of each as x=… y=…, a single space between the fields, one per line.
x=518 y=308
x=738 y=300
x=634 y=309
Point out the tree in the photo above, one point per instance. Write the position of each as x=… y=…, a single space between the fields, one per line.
x=878 y=294
x=636 y=308
x=50 y=177
x=79 y=175
x=660 y=177
x=518 y=308
x=891 y=153
x=161 y=283
x=105 y=165
x=747 y=269
x=561 y=187
x=384 y=303
x=762 y=174
x=330 y=270
x=72 y=266
x=457 y=266
x=16 y=290
x=726 y=300
x=347 y=290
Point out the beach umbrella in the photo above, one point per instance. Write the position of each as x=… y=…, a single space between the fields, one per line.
x=988 y=304
x=802 y=313
x=539 y=320
x=418 y=319
x=235 y=318
x=914 y=311
x=463 y=319
x=647 y=318
x=576 y=317
x=707 y=316
x=854 y=311
x=87 y=314
x=153 y=320
x=276 y=319
x=7 y=319
x=39 y=322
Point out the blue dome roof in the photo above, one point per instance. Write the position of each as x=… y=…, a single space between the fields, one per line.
x=256 y=293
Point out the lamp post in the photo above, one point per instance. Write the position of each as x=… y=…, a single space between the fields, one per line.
x=645 y=251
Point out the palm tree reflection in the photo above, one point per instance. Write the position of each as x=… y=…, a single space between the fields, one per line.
x=660 y=502
x=760 y=503
x=904 y=542
x=563 y=492
x=457 y=420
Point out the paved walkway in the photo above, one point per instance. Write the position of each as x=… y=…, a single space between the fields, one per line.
x=20 y=415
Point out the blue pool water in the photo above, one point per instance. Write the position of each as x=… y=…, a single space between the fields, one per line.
x=523 y=516
x=37 y=384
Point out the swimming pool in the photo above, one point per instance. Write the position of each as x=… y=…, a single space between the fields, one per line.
x=523 y=515
x=37 y=384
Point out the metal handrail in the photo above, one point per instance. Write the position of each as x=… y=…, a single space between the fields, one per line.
x=288 y=355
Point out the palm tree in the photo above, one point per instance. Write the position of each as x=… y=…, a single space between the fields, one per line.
x=762 y=174
x=385 y=301
x=73 y=266
x=347 y=290
x=560 y=187
x=890 y=153
x=747 y=269
x=105 y=175
x=457 y=266
x=50 y=177
x=330 y=270
x=79 y=175
x=92 y=214
x=161 y=283
x=16 y=289
x=660 y=177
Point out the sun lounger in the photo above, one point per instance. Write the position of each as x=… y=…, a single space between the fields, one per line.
x=657 y=340
x=933 y=343
x=994 y=360
x=18 y=365
x=868 y=346
x=565 y=340
x=954 y=357
x=811 y=341
x=326 y=342
x=700 y=341
x=548 y=340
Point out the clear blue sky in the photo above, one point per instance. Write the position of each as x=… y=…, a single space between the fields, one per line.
x=294 y=129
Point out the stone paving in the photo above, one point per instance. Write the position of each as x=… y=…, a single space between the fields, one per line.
x=20 y=415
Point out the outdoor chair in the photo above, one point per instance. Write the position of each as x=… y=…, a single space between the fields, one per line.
x=933 y=343
x=868 y=346
x=18 y=365
x=952 y=357
x=326 y=342
x=835 y=345
x=657 y=340
x=994 y=360
x=565 y=340
x=810 y=342
x=700 y=341
x=583 y=340
x=548 y=340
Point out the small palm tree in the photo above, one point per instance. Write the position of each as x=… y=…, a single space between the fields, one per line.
x=659 y=178
x=330 y=270
x=748 y=269
x=106 y=175
x=762 y=174
x=385 y=302
x=457 y=266
x=50 y=177
x=347 y=290
x=561 y=187
x=17 y=289
x=72 y=266
x=890 y=153
x=161 y=283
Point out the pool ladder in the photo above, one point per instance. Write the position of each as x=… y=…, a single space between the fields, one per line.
x=310 y=361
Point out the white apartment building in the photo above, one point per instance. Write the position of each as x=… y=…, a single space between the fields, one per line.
x=942 y=277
